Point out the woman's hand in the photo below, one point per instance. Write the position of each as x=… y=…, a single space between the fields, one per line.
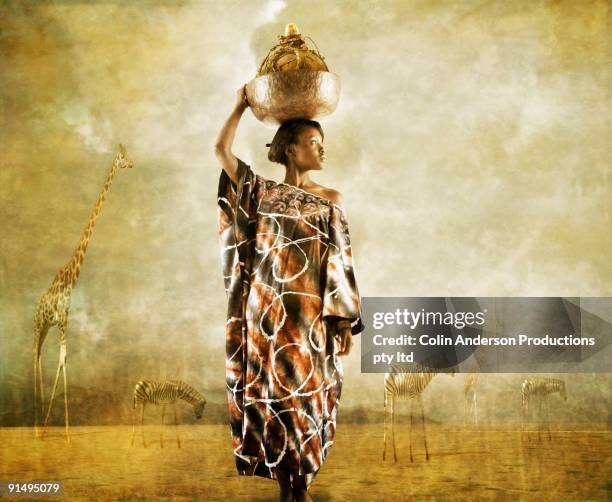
x=345 y=339
x=242 y=102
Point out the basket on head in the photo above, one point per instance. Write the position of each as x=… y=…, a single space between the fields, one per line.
x=293 y=81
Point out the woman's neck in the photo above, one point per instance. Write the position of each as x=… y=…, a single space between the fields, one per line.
x=296 y=178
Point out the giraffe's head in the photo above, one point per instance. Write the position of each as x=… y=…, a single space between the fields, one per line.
x=199 y=408
x=121 y=160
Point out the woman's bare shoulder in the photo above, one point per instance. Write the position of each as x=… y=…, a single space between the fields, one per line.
x=334 y=195
x=327 y=193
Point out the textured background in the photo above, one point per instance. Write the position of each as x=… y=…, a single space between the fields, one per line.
x=469 y=144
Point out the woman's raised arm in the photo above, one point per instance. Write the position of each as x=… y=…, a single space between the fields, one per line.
x=223 y=147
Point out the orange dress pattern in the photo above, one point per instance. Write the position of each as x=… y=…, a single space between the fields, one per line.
x=289 y=277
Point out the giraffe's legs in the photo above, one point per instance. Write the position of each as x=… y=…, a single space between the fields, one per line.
x=63 y=357
x=59 y=367
x=142 y=425
x=36 y=401
x=424 y=433
x=161 y=433
x=393 y=428
x=41 y=387
x=39 y=395
x=178 y=441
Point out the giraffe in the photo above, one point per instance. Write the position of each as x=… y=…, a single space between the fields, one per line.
x=470 y=398
x=54 y=305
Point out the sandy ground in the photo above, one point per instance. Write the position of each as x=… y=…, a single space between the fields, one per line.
x=100 y=464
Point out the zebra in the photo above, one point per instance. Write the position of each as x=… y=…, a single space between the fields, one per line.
x=406 y=381
x=539 y=388
x=164 y=393
x=470 y=398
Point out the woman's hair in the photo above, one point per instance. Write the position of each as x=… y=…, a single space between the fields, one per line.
x=287 y=134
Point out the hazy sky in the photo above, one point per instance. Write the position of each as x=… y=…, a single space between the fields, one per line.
x=469 y=143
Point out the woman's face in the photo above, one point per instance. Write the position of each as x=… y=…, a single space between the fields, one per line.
x=308 y=151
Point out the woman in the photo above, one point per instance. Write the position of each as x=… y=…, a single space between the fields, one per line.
x=293 y=305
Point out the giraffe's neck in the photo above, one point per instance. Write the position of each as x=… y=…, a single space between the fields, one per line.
x=73 y=267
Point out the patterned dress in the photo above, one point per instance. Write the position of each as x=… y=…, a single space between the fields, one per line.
x=289 y=278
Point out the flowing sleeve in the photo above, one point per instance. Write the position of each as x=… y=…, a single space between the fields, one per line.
x=237 y=212
x=341 y=298
x=237 y=206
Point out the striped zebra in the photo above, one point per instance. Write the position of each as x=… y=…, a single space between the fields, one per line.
x=470 y=398
x=164 y=393
x=406 y=382
x=539 y=389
